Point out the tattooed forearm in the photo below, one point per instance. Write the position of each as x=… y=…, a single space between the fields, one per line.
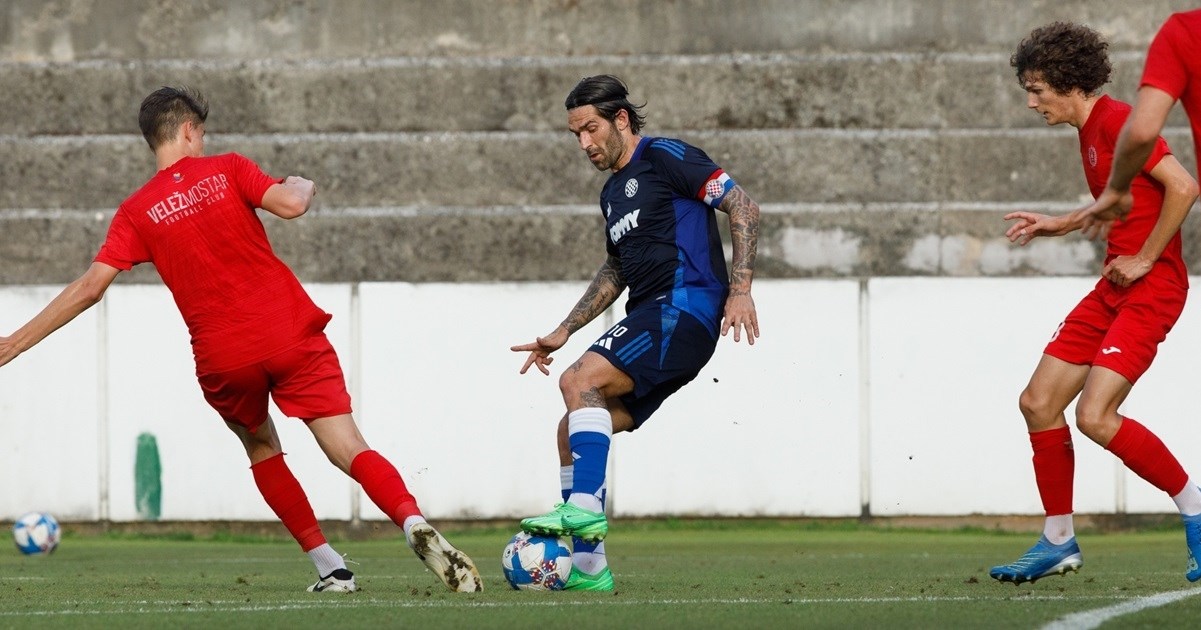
x=744 y=236
x=604 y=290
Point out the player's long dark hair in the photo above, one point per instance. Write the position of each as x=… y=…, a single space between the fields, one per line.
x=166 y=109
x=609 y=95
x=1067 y=56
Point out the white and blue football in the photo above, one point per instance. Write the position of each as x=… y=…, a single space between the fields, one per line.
x=36 y=533
x=536 y=563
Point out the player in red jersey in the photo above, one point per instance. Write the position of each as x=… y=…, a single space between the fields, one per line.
x=1109 y=340
x=255 y=332
x=1172 y=72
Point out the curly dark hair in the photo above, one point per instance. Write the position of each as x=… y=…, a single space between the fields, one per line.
x=1066 y=55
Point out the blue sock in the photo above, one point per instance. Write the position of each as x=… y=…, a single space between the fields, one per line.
x=588 y=432
x=588 y=556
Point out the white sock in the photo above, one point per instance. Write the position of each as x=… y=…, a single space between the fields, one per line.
x=326 y=560
x=1059 y=529
x=566 y=478
x=1189 y=499
x=591 y=562
x=587 y=501
x=410 y=522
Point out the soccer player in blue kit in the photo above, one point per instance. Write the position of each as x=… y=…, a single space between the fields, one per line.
x=663 y=243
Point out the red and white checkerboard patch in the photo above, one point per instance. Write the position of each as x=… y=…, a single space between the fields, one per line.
x=716 y=187
x=713 y=188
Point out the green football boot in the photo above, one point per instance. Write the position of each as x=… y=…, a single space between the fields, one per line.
x=580 y=581
x=568 y=520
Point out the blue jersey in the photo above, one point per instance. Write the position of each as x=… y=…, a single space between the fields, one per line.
x=660 y=224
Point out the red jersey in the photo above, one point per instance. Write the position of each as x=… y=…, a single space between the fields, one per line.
x=1174 y=66
x=195 y=220
x=1098 y=137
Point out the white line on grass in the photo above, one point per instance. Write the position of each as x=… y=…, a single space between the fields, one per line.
x=1089 y=619
x=217 y=606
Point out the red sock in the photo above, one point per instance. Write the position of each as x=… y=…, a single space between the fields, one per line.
x=384 y=486
x=287 y=499
x=1145 y=455
x=1054 y=468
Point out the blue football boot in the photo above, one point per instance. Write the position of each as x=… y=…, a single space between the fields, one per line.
x=1192 y=537
x=1041 y=560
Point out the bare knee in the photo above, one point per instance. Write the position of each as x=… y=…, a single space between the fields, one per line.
x=260 y=444
x=580 y=388
x=1038 y=408
x=575 y=380
x=1096 y=420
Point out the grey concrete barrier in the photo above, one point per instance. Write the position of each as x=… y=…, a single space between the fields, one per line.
x=65 y=30
x=527 y=168
x=546 y=243
x=729 y=91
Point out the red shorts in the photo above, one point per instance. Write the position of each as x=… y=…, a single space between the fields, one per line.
x=305 y=382
x=1120 y=328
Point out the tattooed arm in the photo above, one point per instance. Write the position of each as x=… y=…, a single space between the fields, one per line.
x=744 y=236
x=604 y=290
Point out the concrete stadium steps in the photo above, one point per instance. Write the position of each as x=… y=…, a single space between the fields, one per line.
x=882 y=137
x=67 y=30
x=547 y=168
x=730 y=91
x=547 y=243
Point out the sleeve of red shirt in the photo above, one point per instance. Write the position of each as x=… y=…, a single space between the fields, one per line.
x=250 y=180
x=1165 y=64
x=122 y=248
x=1113 y=129
x=1161 y=149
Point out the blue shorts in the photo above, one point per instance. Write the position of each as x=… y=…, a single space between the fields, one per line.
x=660 y=348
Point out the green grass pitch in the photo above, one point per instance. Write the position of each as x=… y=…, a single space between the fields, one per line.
x=704 y=574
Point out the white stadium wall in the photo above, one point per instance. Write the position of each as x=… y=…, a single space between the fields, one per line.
x=895 y=395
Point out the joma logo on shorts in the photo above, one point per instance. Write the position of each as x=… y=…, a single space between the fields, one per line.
x=624 y=225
